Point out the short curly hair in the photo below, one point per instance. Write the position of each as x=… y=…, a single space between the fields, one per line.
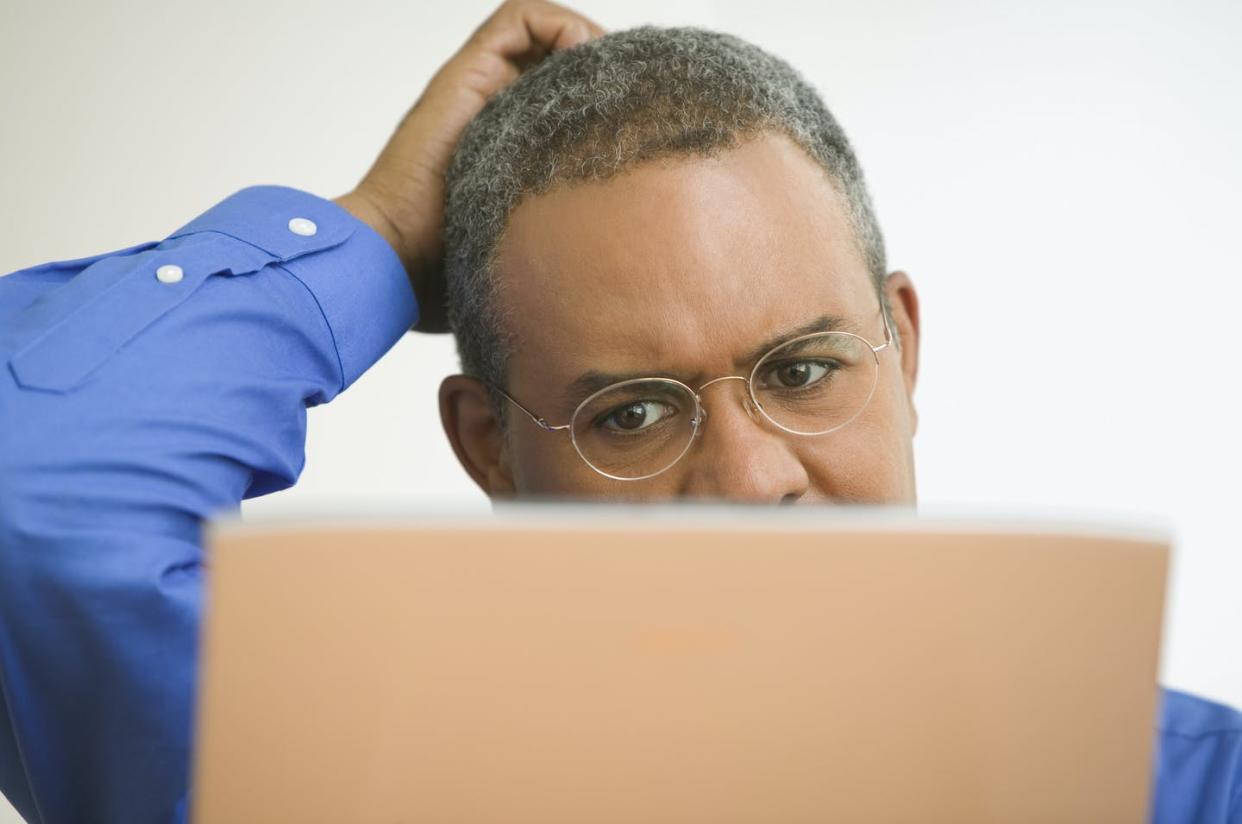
x=592 y=111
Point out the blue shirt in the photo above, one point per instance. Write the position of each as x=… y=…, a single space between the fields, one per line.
x=145 y=390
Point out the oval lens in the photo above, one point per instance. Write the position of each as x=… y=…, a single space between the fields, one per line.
x=636 y=429
x=817 y=383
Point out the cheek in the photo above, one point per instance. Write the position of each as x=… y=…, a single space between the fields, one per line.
x=865 y=462
x=848 y=468
x=540 y=460
x=546 y=464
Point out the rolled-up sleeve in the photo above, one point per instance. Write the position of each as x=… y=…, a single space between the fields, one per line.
x=140 y=393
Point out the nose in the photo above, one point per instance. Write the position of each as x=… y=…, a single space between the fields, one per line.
x=741 y=456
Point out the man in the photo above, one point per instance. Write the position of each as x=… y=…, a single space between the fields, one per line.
x=665 y=278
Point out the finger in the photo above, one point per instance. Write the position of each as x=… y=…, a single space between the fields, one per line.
x=555 y=34
x=528 y=30
x=594 y=28
x=554 y=27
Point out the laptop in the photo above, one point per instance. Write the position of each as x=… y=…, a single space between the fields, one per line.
x=690 y=664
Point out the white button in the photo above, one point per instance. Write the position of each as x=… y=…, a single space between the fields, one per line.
x=302 y=226
x=169 y=273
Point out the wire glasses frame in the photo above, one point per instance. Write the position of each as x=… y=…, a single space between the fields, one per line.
x=752 y=402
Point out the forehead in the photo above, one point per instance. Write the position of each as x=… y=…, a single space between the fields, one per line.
x=678 y=265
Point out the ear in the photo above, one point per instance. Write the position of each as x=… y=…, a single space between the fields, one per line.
x=904 y=302
x=476 y=435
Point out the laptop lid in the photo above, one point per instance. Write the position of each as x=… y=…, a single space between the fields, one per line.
x=702 y=666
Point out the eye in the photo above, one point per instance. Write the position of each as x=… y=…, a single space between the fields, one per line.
x=797 y=374
x=636 y=416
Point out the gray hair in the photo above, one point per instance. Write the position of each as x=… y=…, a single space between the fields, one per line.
x=590 y=112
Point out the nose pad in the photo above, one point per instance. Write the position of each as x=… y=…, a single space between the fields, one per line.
x=748 y=403
x=752 y=410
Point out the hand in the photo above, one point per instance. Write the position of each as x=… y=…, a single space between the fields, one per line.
x=402 y=196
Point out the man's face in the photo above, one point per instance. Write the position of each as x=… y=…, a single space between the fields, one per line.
x=681 y=268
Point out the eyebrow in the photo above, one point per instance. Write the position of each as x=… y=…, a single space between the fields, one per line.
x=591 y=381
x=823 y=323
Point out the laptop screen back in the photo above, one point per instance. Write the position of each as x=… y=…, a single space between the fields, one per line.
x=708 y=670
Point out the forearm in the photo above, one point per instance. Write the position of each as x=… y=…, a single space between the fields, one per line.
x=132 y=406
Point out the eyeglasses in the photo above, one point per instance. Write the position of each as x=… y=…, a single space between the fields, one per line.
x=811 y=385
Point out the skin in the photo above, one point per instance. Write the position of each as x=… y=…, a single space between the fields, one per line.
x=647 y=272
x=402 y=195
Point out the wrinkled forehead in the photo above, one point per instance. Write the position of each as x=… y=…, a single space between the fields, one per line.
x=679 y=264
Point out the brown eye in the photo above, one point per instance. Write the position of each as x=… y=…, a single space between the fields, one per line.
x=636 y=416
x=795 y=374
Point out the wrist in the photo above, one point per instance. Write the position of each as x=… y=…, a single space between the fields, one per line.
x=364 y=206
x=422 y=261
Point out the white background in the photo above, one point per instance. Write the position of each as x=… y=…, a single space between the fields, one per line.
x=1061 y=179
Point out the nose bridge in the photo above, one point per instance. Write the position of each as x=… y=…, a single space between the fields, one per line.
x=747 y=403
x=724 y=378
x=745 y=461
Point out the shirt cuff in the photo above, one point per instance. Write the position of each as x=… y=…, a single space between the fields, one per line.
x=354 y=275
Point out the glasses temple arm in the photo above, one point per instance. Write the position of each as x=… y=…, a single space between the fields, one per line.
x=538 y=421
x=888 y=330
